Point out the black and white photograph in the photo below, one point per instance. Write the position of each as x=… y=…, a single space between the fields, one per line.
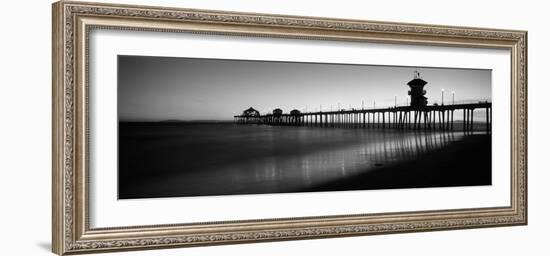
x=216 y=127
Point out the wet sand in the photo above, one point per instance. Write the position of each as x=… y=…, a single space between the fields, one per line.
x=462 y=163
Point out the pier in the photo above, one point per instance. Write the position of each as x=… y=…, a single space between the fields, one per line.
x=440 y=117
x=416 y=115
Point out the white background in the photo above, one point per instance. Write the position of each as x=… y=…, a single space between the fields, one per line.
x=25 y=100
x=107 y=211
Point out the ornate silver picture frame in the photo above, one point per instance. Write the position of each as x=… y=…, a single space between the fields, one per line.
x=73 y=213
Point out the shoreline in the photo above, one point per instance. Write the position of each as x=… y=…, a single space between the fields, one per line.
x=190 y=160
x=424 y=172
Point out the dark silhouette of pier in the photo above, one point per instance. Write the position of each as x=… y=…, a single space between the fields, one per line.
x=441 y=117
x=417 y=115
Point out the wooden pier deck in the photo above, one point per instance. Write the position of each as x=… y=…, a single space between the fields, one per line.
x=441 y=117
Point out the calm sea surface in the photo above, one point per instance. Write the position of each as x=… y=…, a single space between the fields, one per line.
x=186 y=159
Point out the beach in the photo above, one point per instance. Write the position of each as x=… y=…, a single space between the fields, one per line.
x=174 y=159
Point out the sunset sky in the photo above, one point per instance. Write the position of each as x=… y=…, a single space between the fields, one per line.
x=161 y=88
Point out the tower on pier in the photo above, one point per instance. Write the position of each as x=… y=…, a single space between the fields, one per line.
x=417 y=92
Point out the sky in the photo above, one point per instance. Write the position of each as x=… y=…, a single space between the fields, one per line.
x=167 y=88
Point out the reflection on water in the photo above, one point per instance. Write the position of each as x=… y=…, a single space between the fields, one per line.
x=293 y=173
x=261 y=159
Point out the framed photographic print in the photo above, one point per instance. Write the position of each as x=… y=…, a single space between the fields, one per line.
x=178 y=127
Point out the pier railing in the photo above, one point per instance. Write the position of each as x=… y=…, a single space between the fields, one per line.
x=440 y=117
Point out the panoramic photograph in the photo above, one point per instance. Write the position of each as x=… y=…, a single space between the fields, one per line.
x=219 y=127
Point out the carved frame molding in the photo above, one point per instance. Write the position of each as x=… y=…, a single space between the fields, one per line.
x=72 y=22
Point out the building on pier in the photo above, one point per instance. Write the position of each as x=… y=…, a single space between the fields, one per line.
x=417 y=92
x=249 y=115
x=295 y=117
x=276 y=117
x=277 y=112
x=251 y=112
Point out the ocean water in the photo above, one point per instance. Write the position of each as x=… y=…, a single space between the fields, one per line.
x=204 y=159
